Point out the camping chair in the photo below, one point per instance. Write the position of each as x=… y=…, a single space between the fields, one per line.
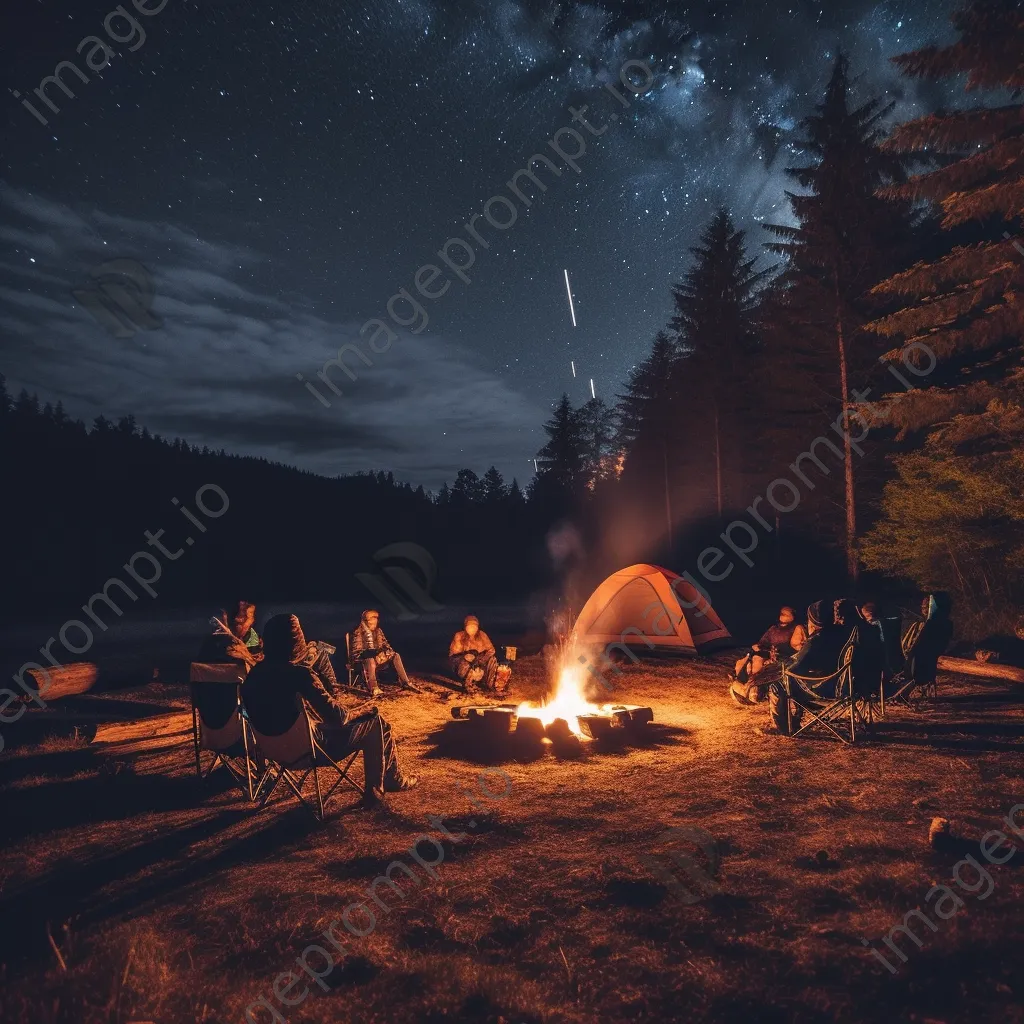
x=216 y=690
x=294 y=756
x=855 y=684
x=917 y=680
x=357 y=682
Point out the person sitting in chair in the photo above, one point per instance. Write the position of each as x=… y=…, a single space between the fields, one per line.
x=828 y=630
x=234 y=637
x=818 y=658
x=779 y=641
x=925 y=642
x=474 y=660
x=273 y=693
x=370 y=650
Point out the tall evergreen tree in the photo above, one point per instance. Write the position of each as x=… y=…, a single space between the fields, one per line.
x=563 y=459
x=647 y=425
x=715 y=307
x=597 y=425
x=468 y=488
x=494 y=489
x=846 y=238
x=959 y=330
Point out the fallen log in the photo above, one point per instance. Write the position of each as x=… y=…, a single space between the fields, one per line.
x=987 y=669
x=173 y=723
x=63 y=680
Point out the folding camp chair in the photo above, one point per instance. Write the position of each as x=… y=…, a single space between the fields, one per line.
x=357 y=681
x=856 y=684
x=916 y=681
x=296 y=755
x=216 y=690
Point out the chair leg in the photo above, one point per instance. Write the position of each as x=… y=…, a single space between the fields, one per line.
x=319 y=795
x=195 y=740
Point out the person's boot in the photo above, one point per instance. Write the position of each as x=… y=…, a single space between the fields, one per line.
x=399 y=783
x=372 y=800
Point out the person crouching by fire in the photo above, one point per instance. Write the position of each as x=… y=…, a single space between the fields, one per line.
x=474 y=660
x=779 y=641
x=370 y=648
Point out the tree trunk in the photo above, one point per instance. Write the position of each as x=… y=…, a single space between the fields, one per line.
x=852 y=568
x=718 y=465
x=668 y=499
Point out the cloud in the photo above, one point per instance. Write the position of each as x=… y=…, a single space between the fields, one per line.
x=221 y=370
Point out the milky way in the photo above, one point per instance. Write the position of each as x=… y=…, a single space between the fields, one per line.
x=281 y=169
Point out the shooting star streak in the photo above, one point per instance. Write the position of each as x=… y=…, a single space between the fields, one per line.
x=592 y=395
x=572 y=307
x=572 y=363
x=535 y=465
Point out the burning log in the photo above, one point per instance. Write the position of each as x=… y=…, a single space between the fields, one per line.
x=499 y=721
x=632 y=715
x=530 y=729
x=473 y=710
x=597 y=727
x=563 y=737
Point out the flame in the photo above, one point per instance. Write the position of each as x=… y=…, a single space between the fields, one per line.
x=569 y=702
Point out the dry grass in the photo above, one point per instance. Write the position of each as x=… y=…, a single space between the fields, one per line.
x=170 y=901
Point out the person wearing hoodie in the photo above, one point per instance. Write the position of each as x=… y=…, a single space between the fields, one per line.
x=829 y=627
x=924 y=642
x=273 y=693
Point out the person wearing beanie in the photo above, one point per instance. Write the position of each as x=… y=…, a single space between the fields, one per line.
x=780 y=640
x=827 y=634
x=273 y=693
x=473 y=659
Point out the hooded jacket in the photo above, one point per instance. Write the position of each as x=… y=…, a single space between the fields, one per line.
x=931 y=640
x=275 y=688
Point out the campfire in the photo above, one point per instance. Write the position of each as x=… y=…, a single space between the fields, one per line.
x=566 y=713
x=568 y=703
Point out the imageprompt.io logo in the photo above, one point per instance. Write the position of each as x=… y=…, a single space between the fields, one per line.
x=699 y=872
x=119 y=298
x=404 y=595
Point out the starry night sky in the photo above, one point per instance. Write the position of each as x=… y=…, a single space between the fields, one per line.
x=283 y=168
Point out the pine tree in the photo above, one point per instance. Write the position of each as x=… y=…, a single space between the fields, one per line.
x=597 y=425
x=958 y=333
x=714 y=321
x=564 y=458
x=468 y=488
x=845 y=240
x=493 y=486
x=515 y=498
x=647 y=424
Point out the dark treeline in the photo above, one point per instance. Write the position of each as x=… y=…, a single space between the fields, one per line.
x=787 y=359
x=79 y=500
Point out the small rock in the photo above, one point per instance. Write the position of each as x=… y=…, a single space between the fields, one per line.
x=939 y=832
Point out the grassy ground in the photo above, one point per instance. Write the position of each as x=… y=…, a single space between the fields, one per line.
x=132 y=893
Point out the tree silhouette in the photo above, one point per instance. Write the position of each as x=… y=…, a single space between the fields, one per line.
x=715 y=318
x=954 y=517
x=846 y=239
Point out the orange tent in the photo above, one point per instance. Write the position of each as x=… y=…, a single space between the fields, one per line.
x=652 y=608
